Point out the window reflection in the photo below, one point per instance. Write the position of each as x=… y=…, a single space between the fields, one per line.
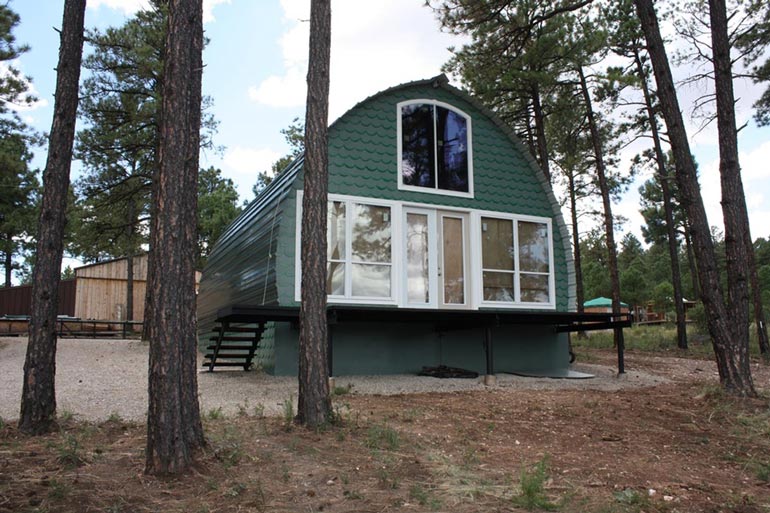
x=497 y=254
x=371 y=233
x=365 y=255
x=534 y=288
x=417 y=145
x=434 y=148
x=533 y=247
x=454 y=264
x=452 y=150
x=417 y=259
x=371 y=280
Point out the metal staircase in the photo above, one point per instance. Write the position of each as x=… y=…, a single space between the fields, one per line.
x=233 y=345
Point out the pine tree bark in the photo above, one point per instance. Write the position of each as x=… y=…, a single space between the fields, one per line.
x=130 y=263
x=8 y=263
x=731 y=353
x=691 y=264
x=542 y=146
x=38 y=400
x=663 y=176
x=736 y=218
x=739 y=248
x=577 y=257
x=314 y=403
x=174 y=430
x=604 y=189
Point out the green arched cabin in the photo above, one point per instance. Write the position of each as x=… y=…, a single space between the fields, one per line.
x=434 y=206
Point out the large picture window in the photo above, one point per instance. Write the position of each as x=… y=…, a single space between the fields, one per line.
x=416 y=255
x=359 y=254
x=515 y=261
x=434 y=148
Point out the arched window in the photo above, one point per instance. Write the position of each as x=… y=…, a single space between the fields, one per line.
x=434 y=148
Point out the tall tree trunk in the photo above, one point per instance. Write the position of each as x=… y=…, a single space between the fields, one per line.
x=579 y=289
x=130 y=263
x=693 y=266
x=663 y=176
x=8 y=263
x=174 y=430
x=601 y=173
x=314 y=403
x=38 y=399
x=542 y=146
x=739 y=248
x=759 y=312
x=736 y=218
x=730 y=352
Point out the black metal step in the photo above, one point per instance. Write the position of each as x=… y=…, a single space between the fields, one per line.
x=224 y=364
x=218 y=329
x=229 y=356
x=232 y=339
x=246 y=347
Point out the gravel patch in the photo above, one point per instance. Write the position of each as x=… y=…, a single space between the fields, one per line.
x=98 y=377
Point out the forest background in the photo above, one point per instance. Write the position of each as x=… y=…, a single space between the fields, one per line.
x=256 y=62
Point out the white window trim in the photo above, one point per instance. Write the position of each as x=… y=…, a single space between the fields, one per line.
x=395 y=249
x=478 y=277
x=398 y=280
x=399 y=153
x=432 y=258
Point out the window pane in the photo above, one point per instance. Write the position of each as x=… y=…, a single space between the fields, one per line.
x=454 y=265
x=371 y=233
x=417 y=145
x=498 y=287
x=497 y=244
x=417 y=264
x=335 y=233
x=534 y=288
x=452 y=150
x=335 y=278
x=533 y=247
x=371 y=280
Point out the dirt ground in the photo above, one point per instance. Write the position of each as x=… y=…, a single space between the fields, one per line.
x=679 y=446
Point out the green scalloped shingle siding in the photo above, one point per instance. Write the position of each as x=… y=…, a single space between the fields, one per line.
x=363 y=162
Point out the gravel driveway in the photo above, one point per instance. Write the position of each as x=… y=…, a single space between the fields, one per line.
x=98 y=377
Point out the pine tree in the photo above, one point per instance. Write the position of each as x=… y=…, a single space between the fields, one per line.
x=38 y=399
x=174 y=430
x=314 y=402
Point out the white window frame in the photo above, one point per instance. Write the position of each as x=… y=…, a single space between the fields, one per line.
x=399 y=151
x=478 y=278
x=398 y=287
x=395 y=249
x=433 y=291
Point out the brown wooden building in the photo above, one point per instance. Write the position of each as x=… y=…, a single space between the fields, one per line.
x=99 y=291
x=102 y=289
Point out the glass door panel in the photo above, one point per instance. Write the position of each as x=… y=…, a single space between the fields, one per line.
x=417 y=259
x=454 y=259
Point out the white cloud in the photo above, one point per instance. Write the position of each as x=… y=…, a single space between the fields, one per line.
x=208 y=9
x=243 y=165
x=375 y=45
x=755 y=173
x=129 y=7
x=31 y=91
x=281 y=91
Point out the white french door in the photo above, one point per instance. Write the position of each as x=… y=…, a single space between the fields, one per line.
x=435 y=258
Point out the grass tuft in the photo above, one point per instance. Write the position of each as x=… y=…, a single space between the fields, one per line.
x=70 y=453
x=532 y=482
x=383 y=437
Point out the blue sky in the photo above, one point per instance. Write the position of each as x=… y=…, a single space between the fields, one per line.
x=255 y=70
